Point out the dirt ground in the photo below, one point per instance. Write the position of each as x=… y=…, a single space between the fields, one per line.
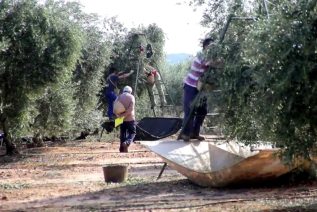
x=69 y=177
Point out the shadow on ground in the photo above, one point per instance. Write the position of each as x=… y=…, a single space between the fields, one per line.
x=172 y=195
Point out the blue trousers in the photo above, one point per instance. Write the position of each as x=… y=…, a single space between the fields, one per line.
x=199 y=112
x=127 y=132
x=111 y=97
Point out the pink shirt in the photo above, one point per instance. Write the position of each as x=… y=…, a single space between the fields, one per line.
x=198 y=67
x=128 y=102
x=150 y=71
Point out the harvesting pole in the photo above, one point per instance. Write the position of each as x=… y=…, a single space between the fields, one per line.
x=266 y=9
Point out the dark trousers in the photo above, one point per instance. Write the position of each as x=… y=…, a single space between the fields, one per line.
x=111 y=97
x=127 y=132
x=199 y=112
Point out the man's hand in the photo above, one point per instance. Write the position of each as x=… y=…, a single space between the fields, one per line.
x=218 y=63
x=121 y=115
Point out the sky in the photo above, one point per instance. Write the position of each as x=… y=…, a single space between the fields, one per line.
x=179 y=22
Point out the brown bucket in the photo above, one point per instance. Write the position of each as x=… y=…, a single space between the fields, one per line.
x=115 y=173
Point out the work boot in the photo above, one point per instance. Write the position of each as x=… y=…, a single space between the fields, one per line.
x=183 y=137
x=198 y=137
x=121 y=148
x=124 y=147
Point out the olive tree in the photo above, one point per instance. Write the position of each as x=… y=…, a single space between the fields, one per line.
x=129 y=53
x=42 y=50
x=71 y=107
x=268 y=83
x=283 y=61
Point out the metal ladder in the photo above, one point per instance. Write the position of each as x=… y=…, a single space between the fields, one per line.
x=167 y=96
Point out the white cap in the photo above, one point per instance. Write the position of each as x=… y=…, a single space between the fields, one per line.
x=127 y=89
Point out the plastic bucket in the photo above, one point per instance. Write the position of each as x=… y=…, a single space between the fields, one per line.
x=115 y=173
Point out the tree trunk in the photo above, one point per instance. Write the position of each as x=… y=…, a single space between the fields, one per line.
x=11 y=148
x=37 y=140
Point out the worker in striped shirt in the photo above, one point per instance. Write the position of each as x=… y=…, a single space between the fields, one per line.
x=198 y=67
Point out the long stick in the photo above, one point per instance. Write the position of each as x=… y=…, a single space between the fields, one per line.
x=192 y=107
x=137 y=77
x=266 y=9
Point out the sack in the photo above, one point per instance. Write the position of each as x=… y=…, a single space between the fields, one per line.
x=118 y=107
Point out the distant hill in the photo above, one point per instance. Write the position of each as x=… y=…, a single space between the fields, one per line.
x=177 y=58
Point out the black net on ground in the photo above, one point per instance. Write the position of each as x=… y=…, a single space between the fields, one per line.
x=155 y=128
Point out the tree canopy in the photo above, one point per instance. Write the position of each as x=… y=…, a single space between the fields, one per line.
x=42 y=49
x=268 y=84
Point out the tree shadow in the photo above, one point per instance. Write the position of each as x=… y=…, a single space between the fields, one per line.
x=170 y=195
x=307 y=208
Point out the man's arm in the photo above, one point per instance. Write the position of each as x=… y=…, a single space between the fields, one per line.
x=149 y=67
x=218 y=63
x=125 y=75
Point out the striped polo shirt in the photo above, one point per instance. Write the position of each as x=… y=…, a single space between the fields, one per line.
x=198 y=67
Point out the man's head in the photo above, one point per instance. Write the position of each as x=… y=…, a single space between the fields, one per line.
x=127 y=89
x=207 y=42
x=112 y=69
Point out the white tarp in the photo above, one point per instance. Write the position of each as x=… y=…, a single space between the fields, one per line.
x=201 y=156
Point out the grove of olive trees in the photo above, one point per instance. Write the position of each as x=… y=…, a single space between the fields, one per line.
x=54 y=60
